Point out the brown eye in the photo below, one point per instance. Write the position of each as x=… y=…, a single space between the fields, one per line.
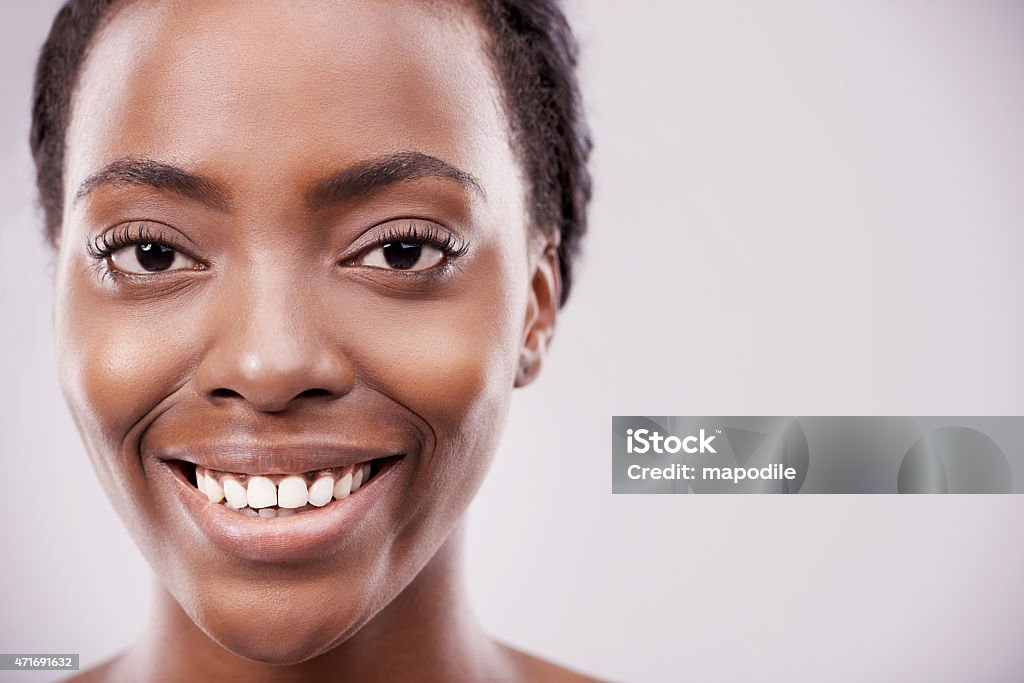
x=150 y=257
x=403 y=256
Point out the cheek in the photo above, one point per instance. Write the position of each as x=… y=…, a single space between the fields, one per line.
x=116 y=364
x=452 y=363
x=441 y=361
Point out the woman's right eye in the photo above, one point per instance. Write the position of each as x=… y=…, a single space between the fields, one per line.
x=150 y=257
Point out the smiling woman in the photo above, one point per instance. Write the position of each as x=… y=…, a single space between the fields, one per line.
x=305 y=251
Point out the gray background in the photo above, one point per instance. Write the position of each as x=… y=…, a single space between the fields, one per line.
x=803 y=208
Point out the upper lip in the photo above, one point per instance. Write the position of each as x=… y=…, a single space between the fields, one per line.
x=262 y=457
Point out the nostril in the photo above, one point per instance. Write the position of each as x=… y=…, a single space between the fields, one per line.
x=225 y=393
x=314 y=393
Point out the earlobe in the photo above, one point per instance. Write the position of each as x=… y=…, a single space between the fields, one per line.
x=541 y=316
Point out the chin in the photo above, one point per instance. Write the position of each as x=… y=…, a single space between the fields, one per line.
x=278 y=626
x=292 y=647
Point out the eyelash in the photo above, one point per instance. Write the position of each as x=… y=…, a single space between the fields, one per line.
x=429 y=235
x=104 y=245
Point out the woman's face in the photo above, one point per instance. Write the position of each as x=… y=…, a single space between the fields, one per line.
x=294 y=243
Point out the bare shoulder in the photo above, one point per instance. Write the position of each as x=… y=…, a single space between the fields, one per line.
x=540 y=670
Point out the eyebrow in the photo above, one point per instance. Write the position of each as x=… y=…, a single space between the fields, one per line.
x=159 y=175
x=358 y=180
x=368 y=176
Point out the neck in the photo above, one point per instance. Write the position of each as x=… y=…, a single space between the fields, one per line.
x=428 y=632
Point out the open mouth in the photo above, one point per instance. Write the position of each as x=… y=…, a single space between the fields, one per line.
x=269 y=496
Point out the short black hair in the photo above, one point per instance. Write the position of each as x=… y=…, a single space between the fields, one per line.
x=535 y=57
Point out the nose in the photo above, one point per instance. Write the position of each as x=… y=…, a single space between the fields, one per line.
x=269 y=349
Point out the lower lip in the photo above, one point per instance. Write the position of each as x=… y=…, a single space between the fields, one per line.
x=309 y=535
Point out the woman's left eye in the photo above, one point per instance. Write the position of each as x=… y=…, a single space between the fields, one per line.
x=411 y=256
x=150 y=257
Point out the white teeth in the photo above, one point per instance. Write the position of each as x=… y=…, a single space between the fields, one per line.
x=343 y=486
x=261 y=493
x=261 y=497
x=235 y=493
x=213 y=490
x=292 y=492
x=360 y=477
x=321 y=490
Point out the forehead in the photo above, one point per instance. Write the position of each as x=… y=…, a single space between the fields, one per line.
x=244 y=88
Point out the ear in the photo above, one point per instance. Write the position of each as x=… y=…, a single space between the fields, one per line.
x=541 y=315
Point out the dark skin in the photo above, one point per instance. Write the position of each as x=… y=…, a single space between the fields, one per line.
x=245 y=151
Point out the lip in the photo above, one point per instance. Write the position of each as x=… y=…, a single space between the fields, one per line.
x=278 y=458
x=307 y=536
